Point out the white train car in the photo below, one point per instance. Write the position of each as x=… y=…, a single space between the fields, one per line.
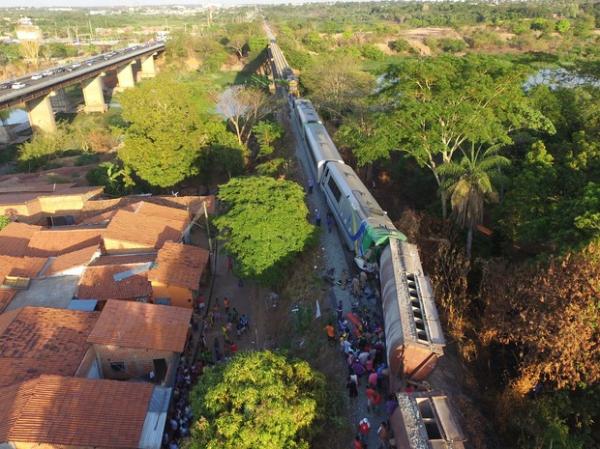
x=362 y=222
x=321 y=148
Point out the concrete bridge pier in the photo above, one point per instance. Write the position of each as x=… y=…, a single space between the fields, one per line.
x=41 y=115
x=125 y=77
x=5 y=135
x=148 y=68
x=93 y=95
x=60 y=102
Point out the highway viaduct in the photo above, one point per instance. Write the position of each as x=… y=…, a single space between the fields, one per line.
x=37 y=94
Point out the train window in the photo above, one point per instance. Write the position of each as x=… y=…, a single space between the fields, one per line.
x=334 y=189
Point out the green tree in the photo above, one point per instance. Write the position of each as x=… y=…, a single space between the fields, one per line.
x=267 y=133
x=265 y=225
x=162 y=143
x=259 y=400
x=449 y=102
x=470 y=183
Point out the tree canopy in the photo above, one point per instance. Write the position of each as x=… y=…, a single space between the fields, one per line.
x=259 y=400
x=441 y=104
x=265 y=225
x=166 y=132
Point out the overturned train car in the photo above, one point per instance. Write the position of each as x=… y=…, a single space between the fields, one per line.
x=414 y=336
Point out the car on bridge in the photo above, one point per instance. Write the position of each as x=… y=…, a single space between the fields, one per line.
x=18 y=85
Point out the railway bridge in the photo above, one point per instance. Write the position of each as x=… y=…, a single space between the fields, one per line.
x=39 y=91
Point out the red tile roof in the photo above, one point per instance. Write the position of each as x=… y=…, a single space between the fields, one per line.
x=97 y=282
x=74 y=411
x=55 y=242
x=27 y=267
x=6 y=296
x=180 y=265
x=131 y=324
x=15 y=237
x=143 y=230
x=72 y=260
x=38 y=340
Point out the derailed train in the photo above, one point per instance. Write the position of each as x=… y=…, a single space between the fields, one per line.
x=414 y=337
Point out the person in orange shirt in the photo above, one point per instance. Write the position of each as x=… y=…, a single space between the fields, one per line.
x=330 y=330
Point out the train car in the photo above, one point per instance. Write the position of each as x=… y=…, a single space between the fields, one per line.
x=362 y=222
x=321 y=148
x=413 y=332
x=306 y=113
x=426 y=420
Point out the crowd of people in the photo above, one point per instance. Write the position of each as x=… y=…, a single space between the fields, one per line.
x=362 y=342
x=180 y=411
x=233 y=326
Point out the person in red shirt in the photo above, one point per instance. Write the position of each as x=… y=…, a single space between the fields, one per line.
x=330 y=330
x=364 y=426
x=373 y=398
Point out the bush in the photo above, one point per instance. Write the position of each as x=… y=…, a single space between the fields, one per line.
x=371 y=52
x=4 y=221
x=87 y=159
x=400 y=45
x=452 y=45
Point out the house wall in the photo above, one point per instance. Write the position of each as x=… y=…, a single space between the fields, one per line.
x=15 y=210
x=179 y=296
x=113 y=246
x=138 y=362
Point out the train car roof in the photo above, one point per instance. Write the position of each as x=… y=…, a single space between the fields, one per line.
x=404 y=291
x=327 y=148
x=365 y=200
x=309 y=112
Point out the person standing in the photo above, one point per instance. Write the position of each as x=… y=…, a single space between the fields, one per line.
x=352 y=387
x=226 y=305
x=329 y=220
x=340 y=311
x=330 y=331
x=311 y=185
x=373 y=398
x=317 y=218
x=364 y=427
x=229 y=264
x=384 y=435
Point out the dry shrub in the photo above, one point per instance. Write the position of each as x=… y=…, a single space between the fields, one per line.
x=100 y=141
x=549 y=312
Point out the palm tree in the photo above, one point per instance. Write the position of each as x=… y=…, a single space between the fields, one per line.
x=470 y=183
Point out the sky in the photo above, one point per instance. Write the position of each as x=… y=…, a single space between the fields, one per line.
x=104 y=3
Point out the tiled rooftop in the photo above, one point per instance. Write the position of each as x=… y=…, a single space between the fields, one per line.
x=26 y=267
x=15 y=237
x=72 y=260
x=180 y=265
x=74 y=411
x=6 y=296
x=37 y=340
x=97 y=282
x=142 y=230
x=136 y=325
x=55 y=242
